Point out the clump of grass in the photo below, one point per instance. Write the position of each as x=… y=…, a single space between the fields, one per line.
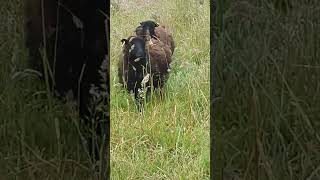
x=171 y=139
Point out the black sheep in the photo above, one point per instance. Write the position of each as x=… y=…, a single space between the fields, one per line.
x=76 y=46
x=142 y=63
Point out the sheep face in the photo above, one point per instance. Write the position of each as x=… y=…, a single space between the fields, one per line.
x=135 y=53
x=146 y=28
x=134 y=66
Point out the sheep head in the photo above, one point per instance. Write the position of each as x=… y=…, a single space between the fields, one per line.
x=147 y=29
x=134 y=50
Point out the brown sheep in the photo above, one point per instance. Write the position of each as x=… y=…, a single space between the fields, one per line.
x=143 y=64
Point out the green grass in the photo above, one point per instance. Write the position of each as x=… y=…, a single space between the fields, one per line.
x=38 y=139
x=39 y=136
x=171 y=139
x=267 y=115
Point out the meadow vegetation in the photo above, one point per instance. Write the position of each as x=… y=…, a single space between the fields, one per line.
x=39 y=135
x=267 y=90
x=170 y=140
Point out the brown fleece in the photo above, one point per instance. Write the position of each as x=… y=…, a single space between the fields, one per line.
x=165 y=36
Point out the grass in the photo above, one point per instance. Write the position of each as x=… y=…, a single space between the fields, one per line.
x=267 y=115
x=171 y=139
x=266 y=104
x=39 y=136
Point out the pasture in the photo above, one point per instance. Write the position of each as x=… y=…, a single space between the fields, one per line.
x=171 y=139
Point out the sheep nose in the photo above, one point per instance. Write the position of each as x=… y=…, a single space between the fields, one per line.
x=148 y=35
x=140 y=54
x=148 y=32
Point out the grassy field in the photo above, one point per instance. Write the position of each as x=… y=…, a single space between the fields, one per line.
x=171 y=139
x=267 y=94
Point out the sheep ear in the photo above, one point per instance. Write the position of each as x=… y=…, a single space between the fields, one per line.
x=124 y=41
x=157 y=24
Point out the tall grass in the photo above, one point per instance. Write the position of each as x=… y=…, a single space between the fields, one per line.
x=171 y=139
x=38 y=139
x=268 y=81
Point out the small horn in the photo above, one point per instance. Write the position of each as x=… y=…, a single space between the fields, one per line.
x=131 y=38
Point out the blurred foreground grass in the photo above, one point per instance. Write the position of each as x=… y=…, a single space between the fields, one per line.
x=267 y=72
